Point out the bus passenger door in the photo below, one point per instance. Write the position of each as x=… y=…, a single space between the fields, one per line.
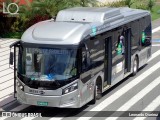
x=108 y=61
x=127 y=50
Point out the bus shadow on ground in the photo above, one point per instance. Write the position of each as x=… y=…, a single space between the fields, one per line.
x=122 y=81
x=7 y=103
x=55 y=112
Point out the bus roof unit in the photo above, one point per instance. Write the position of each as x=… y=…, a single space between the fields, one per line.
x=74 y=24
x=89 y=15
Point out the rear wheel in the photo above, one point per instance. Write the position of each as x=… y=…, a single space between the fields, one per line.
x=135 y=66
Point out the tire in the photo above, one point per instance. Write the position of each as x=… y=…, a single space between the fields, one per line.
x=98 y=92
x=135 y=66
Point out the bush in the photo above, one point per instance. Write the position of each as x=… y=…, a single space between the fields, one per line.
x=5 y=24
x=16 y=35
x=150 y=4
x=158 y=12
x=145 y=5
x=37 y=19
x=120 y=3
x=113 y=4
x=128 y=2
x=141 y=6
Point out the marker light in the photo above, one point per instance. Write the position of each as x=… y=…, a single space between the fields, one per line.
x=20 y=86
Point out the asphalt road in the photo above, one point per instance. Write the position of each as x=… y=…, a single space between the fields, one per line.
x=138 y=93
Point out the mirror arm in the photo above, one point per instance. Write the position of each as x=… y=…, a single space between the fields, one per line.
x=13 y=61
x=15 y=44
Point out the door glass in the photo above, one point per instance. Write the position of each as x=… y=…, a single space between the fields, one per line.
x=84 y=58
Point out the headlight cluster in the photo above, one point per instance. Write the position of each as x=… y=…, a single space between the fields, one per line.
x=70 y=88
x=20 y=85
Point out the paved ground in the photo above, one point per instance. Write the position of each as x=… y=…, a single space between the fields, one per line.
x=6 y=73
x=139 y=93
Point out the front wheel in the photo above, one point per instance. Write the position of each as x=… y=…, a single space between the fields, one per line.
x=135 y=66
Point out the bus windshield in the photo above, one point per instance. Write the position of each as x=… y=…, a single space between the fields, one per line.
x=43 y=64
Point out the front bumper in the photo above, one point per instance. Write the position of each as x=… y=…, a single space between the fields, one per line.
x=70 y=100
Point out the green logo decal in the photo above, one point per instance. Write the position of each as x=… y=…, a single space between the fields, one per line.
x=143 y=37
x=94 y=30
x=119 y=49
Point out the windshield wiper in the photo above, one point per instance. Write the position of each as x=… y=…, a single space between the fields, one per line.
x=57 y=83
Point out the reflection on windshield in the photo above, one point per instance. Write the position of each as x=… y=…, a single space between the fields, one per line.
x=48 y=64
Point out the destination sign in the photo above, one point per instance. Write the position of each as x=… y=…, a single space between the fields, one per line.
x=47 y=51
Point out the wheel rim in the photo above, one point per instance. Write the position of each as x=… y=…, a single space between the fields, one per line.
x=135 y=66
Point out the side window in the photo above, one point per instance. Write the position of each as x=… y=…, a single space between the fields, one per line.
x=135 y=33
x=146 y=31
x=85 y=58
x=142 y=31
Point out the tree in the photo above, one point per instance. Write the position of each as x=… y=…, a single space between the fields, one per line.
x=44 y=9
x=150 y=4
x=40 y=10
x=6 y=20
x=128 y=2
x=85 y=3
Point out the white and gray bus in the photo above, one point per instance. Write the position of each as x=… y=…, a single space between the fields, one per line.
x=72 y=60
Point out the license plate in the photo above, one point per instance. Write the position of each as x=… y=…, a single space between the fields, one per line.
x=40 y=103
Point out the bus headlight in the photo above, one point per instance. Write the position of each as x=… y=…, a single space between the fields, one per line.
x=20 y=86
x=70 y=88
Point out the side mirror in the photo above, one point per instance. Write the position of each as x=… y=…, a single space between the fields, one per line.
x=11 y=58
x=148 y=41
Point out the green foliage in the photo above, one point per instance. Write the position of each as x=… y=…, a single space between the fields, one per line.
x=113 y=4
x=51 y=7
x=85 y=3
x=128 y=2
x=5 y=24
x=16 y=35
x=34 y=12
x=1 y=7
x=141 y=6
x=158 y=12
x=120 y=3
x=40 y=10
x=155 y=12
x=150 y=4
x=19 y=25
x=145 y=5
